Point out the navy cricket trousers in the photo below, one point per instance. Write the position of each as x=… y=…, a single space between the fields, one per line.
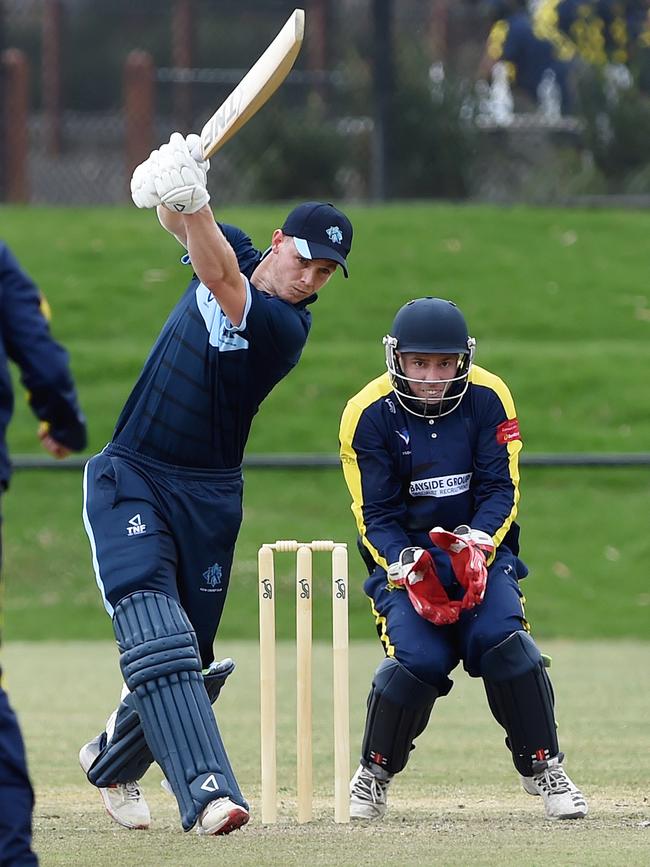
x=153 y=526
x=16 y=796
x=431 y=652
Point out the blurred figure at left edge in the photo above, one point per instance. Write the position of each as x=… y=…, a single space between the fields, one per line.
x=25 y=339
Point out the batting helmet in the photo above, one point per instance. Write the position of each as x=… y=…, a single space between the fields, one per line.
x=429 y=326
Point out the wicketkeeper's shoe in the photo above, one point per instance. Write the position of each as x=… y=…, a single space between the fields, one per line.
x=368 y=794
x=562 y=798
x=124 y=802
x=221 y=817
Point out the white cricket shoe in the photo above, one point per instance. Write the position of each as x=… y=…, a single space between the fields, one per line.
x=221 y=817
x=124 y=802
x=562 y=798
x=368 y=795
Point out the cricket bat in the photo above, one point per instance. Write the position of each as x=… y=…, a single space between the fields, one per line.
x=256 y=87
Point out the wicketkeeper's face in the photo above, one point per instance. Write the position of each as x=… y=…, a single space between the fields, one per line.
x=296 y=277
x=428 y=373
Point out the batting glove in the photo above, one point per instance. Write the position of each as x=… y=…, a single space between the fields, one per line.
x=193 y=143
x=180 y=179
x=143 y=183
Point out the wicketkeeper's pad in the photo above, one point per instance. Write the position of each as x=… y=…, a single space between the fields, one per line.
x=399 y=707
x=521 y=699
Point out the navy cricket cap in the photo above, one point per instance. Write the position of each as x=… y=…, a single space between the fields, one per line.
x=320 y=231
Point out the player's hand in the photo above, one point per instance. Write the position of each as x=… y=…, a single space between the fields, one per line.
x=416 y=572
x=193 y=142
x=179 y=179
x=55 y=448
x=477 y=537
x=143 y=183
x=468 y=551
x=410 y=566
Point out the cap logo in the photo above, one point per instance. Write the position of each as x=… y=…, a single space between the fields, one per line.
x=334 y=234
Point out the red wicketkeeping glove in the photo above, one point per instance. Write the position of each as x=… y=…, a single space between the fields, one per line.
x=468 y=551
x=416 y=571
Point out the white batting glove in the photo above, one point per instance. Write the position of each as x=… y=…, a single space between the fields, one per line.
x=193 y=142
x=143 y=183
x=179 y=179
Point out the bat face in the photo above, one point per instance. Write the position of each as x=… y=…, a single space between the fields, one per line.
x=224 y=117
x=259 y=83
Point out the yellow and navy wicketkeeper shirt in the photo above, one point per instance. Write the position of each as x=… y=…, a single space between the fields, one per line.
x=408 y=474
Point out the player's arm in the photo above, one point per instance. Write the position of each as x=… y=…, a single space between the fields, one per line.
x=496 y=460
x=377 y=501
x=173 y=180
x=215 y=263
x=173 y=223
x=43 y=362
x=213 y=259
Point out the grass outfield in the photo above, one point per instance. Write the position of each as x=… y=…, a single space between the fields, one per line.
x=458 y=802
x=584 y=538
x=559 y=303
x=557 y=299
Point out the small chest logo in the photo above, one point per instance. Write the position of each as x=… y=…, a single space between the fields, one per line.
x=212 y=577
x=135 y=526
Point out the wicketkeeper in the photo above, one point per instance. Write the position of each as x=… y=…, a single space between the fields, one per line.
x=163 y=501
x=430 y=456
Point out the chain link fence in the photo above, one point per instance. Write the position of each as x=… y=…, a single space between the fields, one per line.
x=383 y=102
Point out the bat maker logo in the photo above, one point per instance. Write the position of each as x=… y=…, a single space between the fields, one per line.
x=223 y=118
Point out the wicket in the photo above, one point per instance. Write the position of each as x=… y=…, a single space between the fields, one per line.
x=266 y=583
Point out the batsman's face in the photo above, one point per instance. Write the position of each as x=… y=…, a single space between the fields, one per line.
x=296 y=277
x=428 y=373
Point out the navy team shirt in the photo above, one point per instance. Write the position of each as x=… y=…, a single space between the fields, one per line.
x=205 y=378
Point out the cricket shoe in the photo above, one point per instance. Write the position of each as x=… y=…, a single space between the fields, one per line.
x=221 y=817
x=562 y=798
x=124 y=802
x=368 y=794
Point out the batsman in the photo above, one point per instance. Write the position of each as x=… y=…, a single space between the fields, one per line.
x=430 y=455
x=163 y=501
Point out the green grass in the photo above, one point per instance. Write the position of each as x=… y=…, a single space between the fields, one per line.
x=557 y=299
x=559 y=303
x=585 y=540
x=458 y=802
